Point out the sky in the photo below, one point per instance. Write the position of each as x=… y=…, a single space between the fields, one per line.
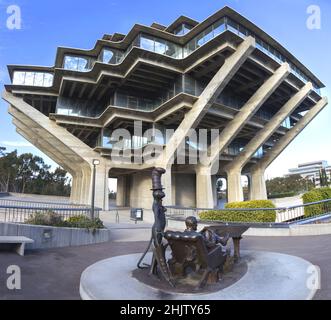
x=47 y=25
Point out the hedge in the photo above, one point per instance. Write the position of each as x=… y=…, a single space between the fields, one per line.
x=316 y=195
x=242 y=216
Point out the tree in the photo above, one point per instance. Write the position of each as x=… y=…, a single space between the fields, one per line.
x=290 y=184
x=29 y=174
x=323 y=178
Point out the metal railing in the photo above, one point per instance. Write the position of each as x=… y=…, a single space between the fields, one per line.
x=116 y=212
x=19 y=211
x=315 y=212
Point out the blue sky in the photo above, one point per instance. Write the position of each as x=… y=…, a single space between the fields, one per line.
x=49 y=24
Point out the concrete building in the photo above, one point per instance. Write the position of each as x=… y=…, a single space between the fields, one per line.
x=311 y=170
x=224 y=73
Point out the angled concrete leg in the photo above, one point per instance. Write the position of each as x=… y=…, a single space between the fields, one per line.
x=235 y=190
x=258 y=185
x=20 y=248
x=204 y=188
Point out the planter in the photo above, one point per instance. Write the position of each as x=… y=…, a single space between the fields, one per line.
x=53 y=237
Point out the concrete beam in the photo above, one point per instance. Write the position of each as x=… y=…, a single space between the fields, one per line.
x=269 y=129
x=257 y=171
x=207 y=98
x=247 y=112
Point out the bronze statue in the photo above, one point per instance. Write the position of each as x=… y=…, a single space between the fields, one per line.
x=211 y=238
x=193 y=253
x=159 y=225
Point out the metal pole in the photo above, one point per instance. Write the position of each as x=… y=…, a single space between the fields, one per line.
x=93 y=191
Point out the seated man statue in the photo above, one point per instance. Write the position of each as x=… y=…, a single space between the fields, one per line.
x=210 y=237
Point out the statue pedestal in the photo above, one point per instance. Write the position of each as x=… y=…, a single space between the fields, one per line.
x=270 y=276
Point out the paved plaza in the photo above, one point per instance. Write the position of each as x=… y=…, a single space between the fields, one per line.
x=55 y=274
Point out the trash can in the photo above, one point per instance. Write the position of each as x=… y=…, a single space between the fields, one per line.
x=137 y=214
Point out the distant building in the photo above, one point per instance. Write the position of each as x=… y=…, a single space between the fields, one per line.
x=311 y=170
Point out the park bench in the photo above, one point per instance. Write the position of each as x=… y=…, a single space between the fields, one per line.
x=18 y=242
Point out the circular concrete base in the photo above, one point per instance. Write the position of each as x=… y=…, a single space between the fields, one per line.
x=270 y=276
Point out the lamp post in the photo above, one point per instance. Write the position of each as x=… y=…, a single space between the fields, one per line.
x=96 y=162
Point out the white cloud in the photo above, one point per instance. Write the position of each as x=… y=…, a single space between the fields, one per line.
x=16 y=144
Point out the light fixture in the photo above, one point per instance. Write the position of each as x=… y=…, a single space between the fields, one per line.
x=96 y=162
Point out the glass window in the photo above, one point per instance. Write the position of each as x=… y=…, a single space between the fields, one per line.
x=48 y=80
x=208 y=34
x=242 y=31
x=174 y=50
x=200 y=40
x=19 y=77
x=77 y=63
x=232 y=26
x=186 y=28
x=29 y=78
x=160 y=46
x=190 y=47
x=189 y=85
x=219 y=27
x=106 y=139
x=39 y=79
x=82 y=64
x=147 y=43
x=107 y=55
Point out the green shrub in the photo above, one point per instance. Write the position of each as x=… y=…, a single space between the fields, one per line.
x=53 y=219
x=316 y=195
x=84 y=222
x=243 y=216
x=49 y=218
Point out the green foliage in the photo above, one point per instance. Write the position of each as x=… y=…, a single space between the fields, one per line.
x=84 y=222
x=52 y=219
x=291 y=184
x=243 y=216
x=324 y=181
x=27 y=173
x=49 y=218
x=316 y=195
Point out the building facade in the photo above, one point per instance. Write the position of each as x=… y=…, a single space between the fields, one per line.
x=312 y=171
x=223 y=74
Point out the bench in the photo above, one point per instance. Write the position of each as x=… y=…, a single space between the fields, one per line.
x=19 y=242
x=189 y=251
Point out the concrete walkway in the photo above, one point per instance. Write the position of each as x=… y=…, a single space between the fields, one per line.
x=55 y=274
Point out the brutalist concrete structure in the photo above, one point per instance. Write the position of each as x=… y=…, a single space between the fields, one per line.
x=223 y=73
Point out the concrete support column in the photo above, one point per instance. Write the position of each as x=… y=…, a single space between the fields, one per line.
x=121 y=195
x=258 y=189
x=235 y=190
x=76 y=181
x=204 y=188
x=213 y=183
x=101 y=187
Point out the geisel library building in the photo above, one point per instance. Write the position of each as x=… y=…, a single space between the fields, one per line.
x=224 y=73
